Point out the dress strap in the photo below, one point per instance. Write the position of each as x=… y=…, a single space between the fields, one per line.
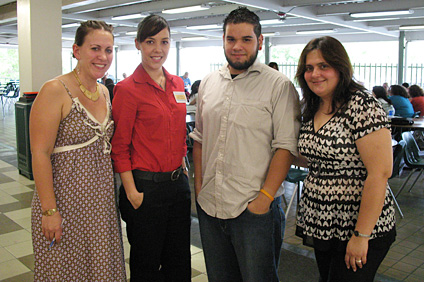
x=67 y=90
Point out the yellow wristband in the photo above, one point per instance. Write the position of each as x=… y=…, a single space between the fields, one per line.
x=267 y=194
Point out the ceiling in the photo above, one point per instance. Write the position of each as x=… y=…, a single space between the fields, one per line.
x=291 y=16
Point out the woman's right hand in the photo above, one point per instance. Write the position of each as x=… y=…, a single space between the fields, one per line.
x=52 y=226
x=136 y=199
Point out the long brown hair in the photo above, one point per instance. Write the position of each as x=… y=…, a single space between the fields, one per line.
x=336 y=56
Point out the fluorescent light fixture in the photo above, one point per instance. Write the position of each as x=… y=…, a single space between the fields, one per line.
x=131 y=33
x=376 y=19
x=269 y=34
x=194 y=38
x=129 y=17
x=186 y=9
x=411 y=27
x=381 y=14
x=274 y=21
x=206 y=26
x=68 y=38
x=9 y=45
x=70 y=25
x=304 y=32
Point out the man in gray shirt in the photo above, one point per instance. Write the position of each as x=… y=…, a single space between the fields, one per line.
x=245 y=141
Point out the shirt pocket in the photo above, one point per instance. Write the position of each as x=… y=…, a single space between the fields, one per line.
x=252 y=114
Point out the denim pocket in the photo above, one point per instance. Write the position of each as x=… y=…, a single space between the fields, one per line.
x=257 y=214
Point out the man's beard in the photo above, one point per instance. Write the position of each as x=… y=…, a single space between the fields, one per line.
x=243 y=65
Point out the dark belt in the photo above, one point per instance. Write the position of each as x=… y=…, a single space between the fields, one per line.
x=158 y=176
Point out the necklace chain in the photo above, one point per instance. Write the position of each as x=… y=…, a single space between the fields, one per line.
x=160 y=82
x=87 y=93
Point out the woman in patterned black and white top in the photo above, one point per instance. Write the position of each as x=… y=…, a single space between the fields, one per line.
x=346 y=212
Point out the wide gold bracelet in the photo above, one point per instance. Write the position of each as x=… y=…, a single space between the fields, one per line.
x=267 y=194
x=49 y=212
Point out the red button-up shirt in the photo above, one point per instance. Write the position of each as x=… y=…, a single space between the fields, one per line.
x=150 y=132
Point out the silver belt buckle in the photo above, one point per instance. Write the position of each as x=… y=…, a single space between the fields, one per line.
x=175 y=174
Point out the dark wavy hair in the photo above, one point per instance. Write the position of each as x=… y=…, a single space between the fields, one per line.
x=380 y=92
x=150 y=26
x=243 y=15
x=399 y=90
x=87 y=26
x=415 y=91
x=336 y=56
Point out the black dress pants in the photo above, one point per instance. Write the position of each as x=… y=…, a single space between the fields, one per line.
x=159 y=231
x=332 y=267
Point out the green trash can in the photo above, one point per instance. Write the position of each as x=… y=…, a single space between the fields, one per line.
x=23 y=147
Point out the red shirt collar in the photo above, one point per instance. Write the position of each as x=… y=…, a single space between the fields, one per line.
x=141 y=76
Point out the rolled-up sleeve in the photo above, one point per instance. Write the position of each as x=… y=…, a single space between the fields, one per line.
x=124 y=111
x=285 y=118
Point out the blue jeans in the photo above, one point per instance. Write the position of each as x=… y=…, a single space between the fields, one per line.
x=246 y=248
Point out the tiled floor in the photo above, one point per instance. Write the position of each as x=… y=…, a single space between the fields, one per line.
x=405 y=261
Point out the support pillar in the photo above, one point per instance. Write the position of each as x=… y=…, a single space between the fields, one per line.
x=116 y=65
x=266 y=50
x=40 y=42
x=401 y=57
x=177 y=46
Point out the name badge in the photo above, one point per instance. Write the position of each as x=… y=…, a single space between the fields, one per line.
x=180 y=97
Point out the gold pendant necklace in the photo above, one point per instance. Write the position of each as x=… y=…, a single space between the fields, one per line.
x=87 y=93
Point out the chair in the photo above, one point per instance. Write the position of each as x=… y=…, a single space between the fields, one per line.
x=295 y=175
x=412 y=159
x=13 y=94
x=398 y=165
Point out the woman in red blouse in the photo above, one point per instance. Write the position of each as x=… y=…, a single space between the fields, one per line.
x=417 y=98
x=148 y=149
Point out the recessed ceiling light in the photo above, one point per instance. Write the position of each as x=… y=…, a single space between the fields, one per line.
x=381 y=14
x=194 y=38
x=206 y=26
x=274 y=21
x=70 y=25
x=129 y=17
x=186 y=9
x=411 y=27
x=269 y=34
x=303 y=32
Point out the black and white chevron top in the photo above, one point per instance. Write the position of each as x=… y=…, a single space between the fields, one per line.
x=332 y=191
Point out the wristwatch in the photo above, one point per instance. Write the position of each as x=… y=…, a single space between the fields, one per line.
x=357 y=234
x=49 y=212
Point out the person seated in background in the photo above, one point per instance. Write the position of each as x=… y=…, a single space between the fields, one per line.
x=273 y=65
x=417 y=98
x=386 y=86
x=381 y=95
x=194 y=90
x=406 y=85
x=187 y=84
x=400 y=100
x=110 y=85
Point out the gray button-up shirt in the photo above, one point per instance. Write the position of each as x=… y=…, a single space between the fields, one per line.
x=240 y=122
